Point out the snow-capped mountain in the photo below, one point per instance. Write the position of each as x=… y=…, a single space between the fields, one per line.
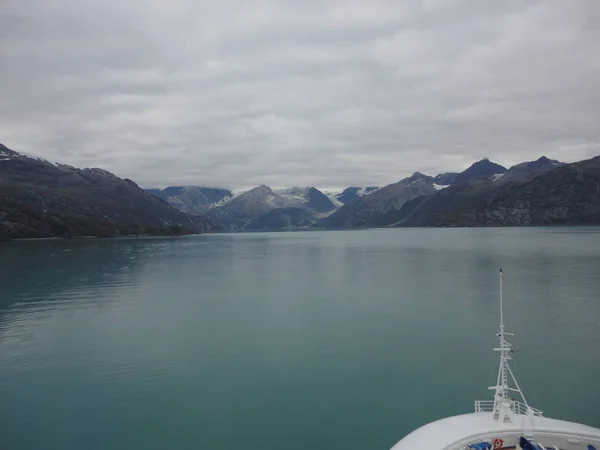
x=262 y=208
x=192 y=200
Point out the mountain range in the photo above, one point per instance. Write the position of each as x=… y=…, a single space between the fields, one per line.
x=485 y=194
x=40 y=199
x=542 y=192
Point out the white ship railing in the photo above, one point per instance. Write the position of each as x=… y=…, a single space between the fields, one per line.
x=516 y=407
x=543 y=433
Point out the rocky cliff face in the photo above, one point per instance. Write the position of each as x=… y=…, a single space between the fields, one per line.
x=194 y=200
x=40 y=199
x=381 y=207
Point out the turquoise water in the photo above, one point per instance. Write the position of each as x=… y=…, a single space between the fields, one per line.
x=288 y=341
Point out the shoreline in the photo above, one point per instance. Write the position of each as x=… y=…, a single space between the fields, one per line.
x=89 y=238
x=145 y=235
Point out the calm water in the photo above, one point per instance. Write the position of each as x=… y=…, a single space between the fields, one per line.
x=338 y=340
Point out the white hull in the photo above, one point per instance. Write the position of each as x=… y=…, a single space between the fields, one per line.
x=456 y=433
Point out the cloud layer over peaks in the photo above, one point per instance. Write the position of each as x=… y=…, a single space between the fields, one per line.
x=328 y=93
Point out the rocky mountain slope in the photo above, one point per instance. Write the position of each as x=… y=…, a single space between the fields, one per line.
x=527 y=170
x=41 y=199
x=381 y=207
x=263 y=209
x=568 y=194
x=445 y=179
x=194 y=200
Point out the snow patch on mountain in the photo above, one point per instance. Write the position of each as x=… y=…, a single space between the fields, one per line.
x=8 y=155
x=334 y=200
x=296 y=193
x=365 y=191
x=221 y=202
x=37 y=158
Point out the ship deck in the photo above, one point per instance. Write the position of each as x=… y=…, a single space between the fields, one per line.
x=457 y=432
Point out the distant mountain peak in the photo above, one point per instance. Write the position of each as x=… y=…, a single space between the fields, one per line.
x=529 y=169
x=481 y=170
x=485 y=161
x=262 y=189
x=546 y=160
x=416 y=177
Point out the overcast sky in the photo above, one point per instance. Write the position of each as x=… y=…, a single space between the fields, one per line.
x=330 y=93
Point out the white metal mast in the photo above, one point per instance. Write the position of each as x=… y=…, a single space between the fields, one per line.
x=504 y=406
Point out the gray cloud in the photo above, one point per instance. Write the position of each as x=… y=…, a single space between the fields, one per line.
x=321 y=92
